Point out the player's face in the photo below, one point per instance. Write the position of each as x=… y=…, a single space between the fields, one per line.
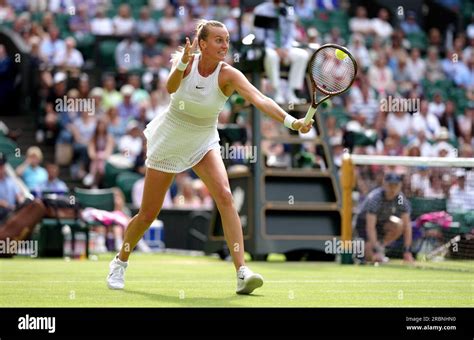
x=217 y=43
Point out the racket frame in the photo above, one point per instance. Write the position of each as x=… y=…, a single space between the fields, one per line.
x=314 y=104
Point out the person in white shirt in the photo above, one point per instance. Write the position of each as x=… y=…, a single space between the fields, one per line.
x=381 y=76
x=101 y=25
x=460 y=198
x=360 y=23
x=399 y=123
x=70 y=58
x=131 y=144
x=437 y=107
x=426 y=121
x=381 y=25
x=124 y=24
x=416 y=66
x=359 y=51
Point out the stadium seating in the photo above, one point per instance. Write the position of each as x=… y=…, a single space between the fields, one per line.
x=95 y=198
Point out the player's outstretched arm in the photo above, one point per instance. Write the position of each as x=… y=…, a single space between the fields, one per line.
x=265 y=104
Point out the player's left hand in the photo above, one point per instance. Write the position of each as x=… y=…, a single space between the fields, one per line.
x=299 y=125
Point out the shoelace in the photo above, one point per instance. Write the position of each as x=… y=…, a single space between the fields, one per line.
x=117 y=273
x=243 y=273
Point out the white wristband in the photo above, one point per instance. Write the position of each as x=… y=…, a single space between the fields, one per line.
x=289 y=121
x=181 y=66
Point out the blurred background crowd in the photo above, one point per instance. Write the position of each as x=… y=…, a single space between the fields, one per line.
x=117 y=53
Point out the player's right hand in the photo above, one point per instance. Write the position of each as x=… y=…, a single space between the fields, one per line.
x=189 y=50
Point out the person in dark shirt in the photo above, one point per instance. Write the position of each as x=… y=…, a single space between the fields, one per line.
x=383 y=217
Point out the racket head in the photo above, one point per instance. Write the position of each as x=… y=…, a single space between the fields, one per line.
x=329 y=74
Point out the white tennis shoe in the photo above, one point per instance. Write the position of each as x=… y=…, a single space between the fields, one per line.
x=247 y=281
x=116 y=278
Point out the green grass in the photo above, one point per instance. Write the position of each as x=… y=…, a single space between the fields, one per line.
x=165 y=280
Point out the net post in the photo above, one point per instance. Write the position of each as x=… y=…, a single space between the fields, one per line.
x=347 y=183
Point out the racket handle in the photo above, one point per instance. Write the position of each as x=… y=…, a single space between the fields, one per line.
x=309 y=115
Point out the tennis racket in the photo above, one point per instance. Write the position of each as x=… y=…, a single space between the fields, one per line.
x=332 y=70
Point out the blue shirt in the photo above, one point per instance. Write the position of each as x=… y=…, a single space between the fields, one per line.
x=56 y=186
x=35 y=178
x=8 y=190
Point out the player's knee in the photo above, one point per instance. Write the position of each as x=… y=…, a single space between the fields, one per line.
x=146 y=217
x=224 y=198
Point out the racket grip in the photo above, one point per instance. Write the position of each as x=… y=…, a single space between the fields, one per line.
x=309 y=115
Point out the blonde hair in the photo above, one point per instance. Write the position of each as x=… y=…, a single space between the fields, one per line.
x=202 y=32
x=34 y=150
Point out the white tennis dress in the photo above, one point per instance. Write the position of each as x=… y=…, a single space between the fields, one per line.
x=180 y=137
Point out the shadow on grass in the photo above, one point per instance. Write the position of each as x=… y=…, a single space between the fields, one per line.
x=192 y=301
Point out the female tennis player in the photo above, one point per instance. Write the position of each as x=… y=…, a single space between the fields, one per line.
x=186 y=136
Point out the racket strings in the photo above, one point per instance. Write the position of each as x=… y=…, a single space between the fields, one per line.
x=332 y=75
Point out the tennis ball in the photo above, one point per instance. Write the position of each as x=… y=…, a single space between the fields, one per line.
x=341 y=55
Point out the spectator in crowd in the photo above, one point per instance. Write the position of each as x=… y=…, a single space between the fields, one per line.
x=420 y=181
x=460 y=198
x=381 y=25
x=466 y=124
x=10 y=193
x=434 y=70
x=32 y=173
x=170 y=24
x=99 y=149
x=111 y=97
x=443 y=144
x=359 y=51
x=416 y=66
x=54 y=184
x=366 y=109
x=131 y=144
x=7 y=13
x=52 y=45
x=409 y=25
x=449 y=122
x=187 y=197
x=116 y=125
x=437 y=106
x=403 y=76
x=399 y=123
x=82 y=131
x=80 y=24
x=69 y=59
x=383 y=217
x=128 y=55
x=127 y=109
x=279 y=48
x=426 y=122
x=152 y=58
x=435 y=190
x=361 y=23
x=102 y=25
x=139 y=96
x=124 y=24
x=146 y=25
x=381 y=76
x=96 y=94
